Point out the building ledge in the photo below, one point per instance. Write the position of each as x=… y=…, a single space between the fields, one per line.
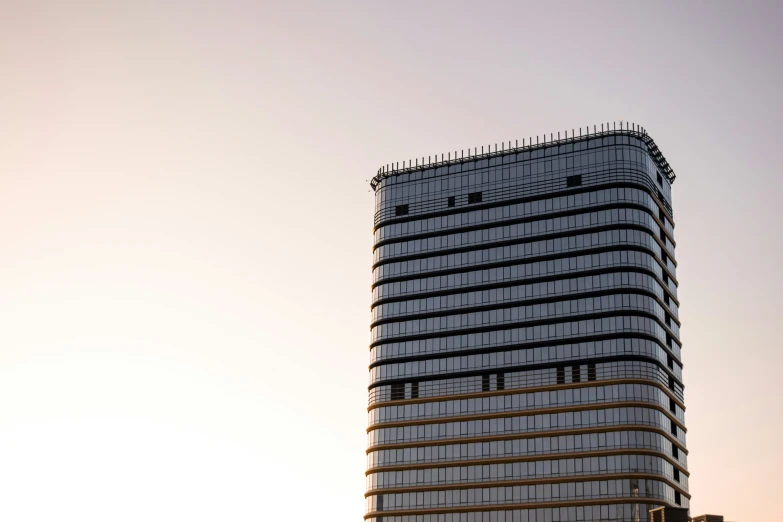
x=625 y=129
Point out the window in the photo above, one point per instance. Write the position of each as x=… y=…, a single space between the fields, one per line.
x=671 y=382
x=398 y=391
x=660 y=196
x=380 y=503
x=401 y=210
x=485 y=383
x=668 y=320
x=665 y=279
x=672 y=405
x=591 y=372
x=575 y=374
x=414 y=390
x=676 y=474
x=574 y=181
x=666 y=299
x=560 y=375
x=669 y=361
x=677 y=498
x=452 y=201
x=674 y=427
x=669 y=341
x=501 y=381
x=675 y=452
x=664 y=257
x=663 y=236
x=660 y=179
x=661 y=216
x=474 y=197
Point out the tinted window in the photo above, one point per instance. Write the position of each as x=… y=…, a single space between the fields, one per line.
x=397 y=391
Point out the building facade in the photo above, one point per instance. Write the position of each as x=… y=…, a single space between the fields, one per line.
x=525 y=347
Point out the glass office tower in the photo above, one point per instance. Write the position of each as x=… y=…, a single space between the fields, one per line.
x=525 y=345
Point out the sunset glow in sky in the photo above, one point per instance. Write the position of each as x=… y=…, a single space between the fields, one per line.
x=185 y=230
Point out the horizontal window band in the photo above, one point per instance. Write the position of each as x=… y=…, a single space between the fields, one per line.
x=526 y=505
x=528 y=324
x=529 y=412
x=529 y=219
x=528 y=281
x=528 y=302
x=636 y=177
x=532 y=259
x=529 y=199
x=494 y=196
x=535 y=458
x=525 y=367
x=531 y=482
x=530 y=389
x=523 y=241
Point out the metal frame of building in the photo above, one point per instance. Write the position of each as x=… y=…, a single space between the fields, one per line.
x=629 y=129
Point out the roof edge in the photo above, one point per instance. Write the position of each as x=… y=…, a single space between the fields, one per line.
x=629 y=129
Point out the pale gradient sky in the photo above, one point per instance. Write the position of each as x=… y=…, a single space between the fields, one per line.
x=185 y=231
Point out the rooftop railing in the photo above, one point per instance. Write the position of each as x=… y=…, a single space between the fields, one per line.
x=446 y=159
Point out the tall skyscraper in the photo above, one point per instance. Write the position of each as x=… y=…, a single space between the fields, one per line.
x=525 y=343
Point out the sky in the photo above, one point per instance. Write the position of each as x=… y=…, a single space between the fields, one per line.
x=185 y=230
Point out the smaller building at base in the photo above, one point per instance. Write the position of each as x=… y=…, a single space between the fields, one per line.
x=669 y=514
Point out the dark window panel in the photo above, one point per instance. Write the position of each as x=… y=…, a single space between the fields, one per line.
x=397 y=391
x=401 y=210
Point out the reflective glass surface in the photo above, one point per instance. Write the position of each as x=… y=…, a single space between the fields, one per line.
x=525 y=353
